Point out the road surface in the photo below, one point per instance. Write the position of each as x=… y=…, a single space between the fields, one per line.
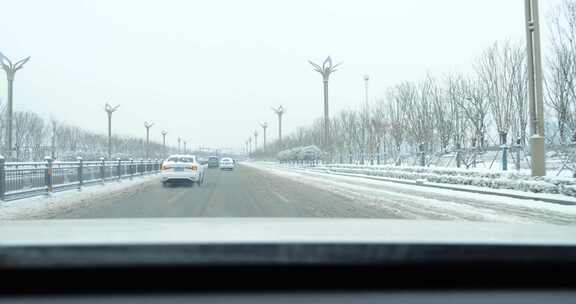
x=266 y=191
x=244 y=192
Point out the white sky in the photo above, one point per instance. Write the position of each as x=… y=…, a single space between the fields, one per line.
x=209 y=71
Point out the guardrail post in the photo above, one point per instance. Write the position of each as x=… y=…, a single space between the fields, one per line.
x=156 y=166
x=80 y=174
x=119 y=168
x=102 y=167
x=143 y=166
x=49 y=172
x=131 y=167
x=2 y=178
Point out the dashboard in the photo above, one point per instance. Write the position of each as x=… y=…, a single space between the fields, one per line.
x=288 y=273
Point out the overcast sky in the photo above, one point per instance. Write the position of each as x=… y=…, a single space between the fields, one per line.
x=209 y=71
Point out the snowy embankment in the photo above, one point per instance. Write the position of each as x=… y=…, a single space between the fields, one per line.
x=47 y=206
x=415 y=202
x=519 y=181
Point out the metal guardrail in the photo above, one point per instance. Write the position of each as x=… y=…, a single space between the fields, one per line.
x=36 y=178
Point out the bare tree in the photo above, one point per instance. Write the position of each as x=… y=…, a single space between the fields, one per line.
x=496 y=71
x=443 y=113
x=471 y=99
x=380 y=125
x=397 y=121
x=418 y=106
x=28 y=134
x=519 y=82
x=561 y=70
x=349 y=122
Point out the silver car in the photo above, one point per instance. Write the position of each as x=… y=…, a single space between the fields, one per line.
x=226 y=163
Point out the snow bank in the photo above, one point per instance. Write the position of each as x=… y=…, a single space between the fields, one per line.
x=482 y=178
x=42 y=207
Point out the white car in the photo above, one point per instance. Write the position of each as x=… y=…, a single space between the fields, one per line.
x=226 y=163
x=182 y=168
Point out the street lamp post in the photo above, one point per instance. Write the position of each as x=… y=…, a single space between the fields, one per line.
x=255 y=140
x=179 y=140
x=148 y=125
x=10 y=69
x=535 y=94
x=279 y=111
x=110 y=109
x=325 y=70
x=164 y=132
x=185 y=147
x=249 y=145
x=264 y=126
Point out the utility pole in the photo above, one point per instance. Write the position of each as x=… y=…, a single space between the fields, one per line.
x=148 y=125
x=10 y=69
x=164 y=132
x=264 y=126
x=110 y=109
x=535 y=94
x=279 y=111
x=325 y=70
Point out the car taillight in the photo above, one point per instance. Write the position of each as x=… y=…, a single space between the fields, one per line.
x=165 y=167
x=193 y=168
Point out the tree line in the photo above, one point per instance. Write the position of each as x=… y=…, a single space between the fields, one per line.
x=34 y=138
x=485 y=108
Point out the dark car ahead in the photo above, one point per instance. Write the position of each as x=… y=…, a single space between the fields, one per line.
x=213 y=162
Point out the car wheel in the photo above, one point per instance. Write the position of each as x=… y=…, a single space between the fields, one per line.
x=164 y=184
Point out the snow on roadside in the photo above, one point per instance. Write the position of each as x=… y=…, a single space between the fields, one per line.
x=475 y=177
x=44 y=206
x=421 y=202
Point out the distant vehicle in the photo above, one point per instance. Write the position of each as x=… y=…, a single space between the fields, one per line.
x=213 y=162
x=203 y=161
x=226 y=163
x=182 y=168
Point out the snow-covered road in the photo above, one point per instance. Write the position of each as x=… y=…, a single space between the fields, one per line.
x=411 y=201
x=267 y=190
